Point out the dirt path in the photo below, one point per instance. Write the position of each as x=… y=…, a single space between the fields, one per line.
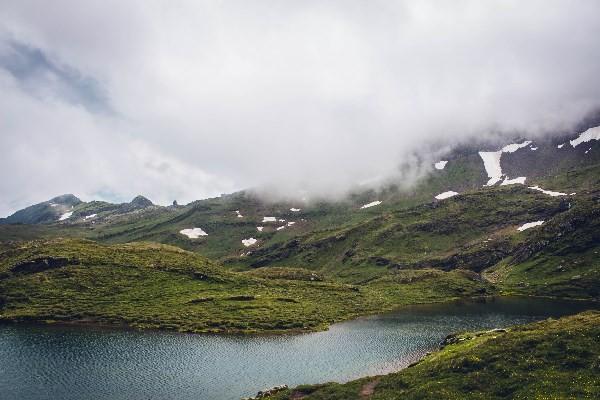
x=368 y=388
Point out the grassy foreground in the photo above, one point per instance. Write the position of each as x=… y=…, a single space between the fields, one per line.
x=552 y=359
x=145 y=285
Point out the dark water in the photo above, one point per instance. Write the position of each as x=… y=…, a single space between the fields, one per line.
x=41 y=362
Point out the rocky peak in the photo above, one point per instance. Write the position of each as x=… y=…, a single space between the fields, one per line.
x=140 y=202
x=66 y=199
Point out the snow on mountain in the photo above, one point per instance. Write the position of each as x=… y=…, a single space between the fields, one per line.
x=440 y=164
x=519 y=180
x=548 y=192
x=249 y=242
x=587 y=136
x=491 y=161
x=193 y=233
x=269 y=219
x=371 y=204
x=65 y=216
x=511 y=148
x=446 y=195
x=529 y=225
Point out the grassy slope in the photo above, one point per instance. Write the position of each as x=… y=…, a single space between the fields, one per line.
x=431 y=234
x=157 y=286
x=217 y=217
x=561 y=258
x=552 y=359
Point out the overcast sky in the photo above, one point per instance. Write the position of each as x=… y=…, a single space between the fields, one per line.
x=189 y=99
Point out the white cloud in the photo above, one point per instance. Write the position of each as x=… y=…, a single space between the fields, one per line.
x=301 y=98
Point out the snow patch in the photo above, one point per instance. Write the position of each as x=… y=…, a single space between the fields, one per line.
x=529 y=225
x=511 y=148
x=590 y=134
x=534 y=148
x=560 y=146
x=371 y=204
x=90 y=216
x=193 y=233
x=66 y=215
x=53 y=205
x=290 y=223
x=446 y=195
x=281 y=227
x=260 y=228
x=294 y=209
x=491 y=161
x=548 y=192
x=440 y=164
x=269 y=219
x=249 y=242
x=588 y=150
x=520 y=180
x=239 y=215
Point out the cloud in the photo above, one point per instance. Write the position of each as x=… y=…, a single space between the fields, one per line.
x=40 y=76
x=307 y=98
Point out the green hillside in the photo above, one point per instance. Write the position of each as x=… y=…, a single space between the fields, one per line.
x=552 y=359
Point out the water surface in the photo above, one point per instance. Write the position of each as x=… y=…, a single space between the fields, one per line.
x=51 y=362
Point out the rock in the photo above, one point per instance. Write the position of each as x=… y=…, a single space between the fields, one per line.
x=140 y=202
x=263 y=394
x=42 y=264
x=201 y=300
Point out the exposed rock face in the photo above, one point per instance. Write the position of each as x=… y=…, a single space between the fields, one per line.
x=41 y=264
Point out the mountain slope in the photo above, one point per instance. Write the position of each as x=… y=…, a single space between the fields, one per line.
x=45 y=212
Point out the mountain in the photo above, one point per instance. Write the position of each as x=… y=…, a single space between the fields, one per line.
x=489 y=219
x=67 y=209
x=45 y=212
x=506 y=218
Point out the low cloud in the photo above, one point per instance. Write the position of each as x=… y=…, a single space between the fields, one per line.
x=298 y=98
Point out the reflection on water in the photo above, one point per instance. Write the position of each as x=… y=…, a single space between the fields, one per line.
x=41 y=362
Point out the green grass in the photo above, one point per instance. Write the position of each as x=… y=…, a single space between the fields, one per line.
x=560 y=259
x=552 y=359
x=474 y=231
x=145 y=285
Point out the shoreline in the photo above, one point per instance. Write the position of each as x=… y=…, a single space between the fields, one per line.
x=123 y=327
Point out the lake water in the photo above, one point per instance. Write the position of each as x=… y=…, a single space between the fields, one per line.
x=52 y=362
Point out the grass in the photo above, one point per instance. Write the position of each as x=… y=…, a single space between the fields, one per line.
x=452 y=233
x=151 y=286
x=552 y=359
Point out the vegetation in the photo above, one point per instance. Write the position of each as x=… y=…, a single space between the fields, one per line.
x=552 y=359
x=145 y=285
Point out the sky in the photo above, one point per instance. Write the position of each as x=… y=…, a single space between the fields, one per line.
x=190 y=99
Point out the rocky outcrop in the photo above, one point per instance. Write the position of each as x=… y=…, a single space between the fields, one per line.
x=42 y=264
x=264 y=394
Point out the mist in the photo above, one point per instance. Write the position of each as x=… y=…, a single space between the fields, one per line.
x=187 y=100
